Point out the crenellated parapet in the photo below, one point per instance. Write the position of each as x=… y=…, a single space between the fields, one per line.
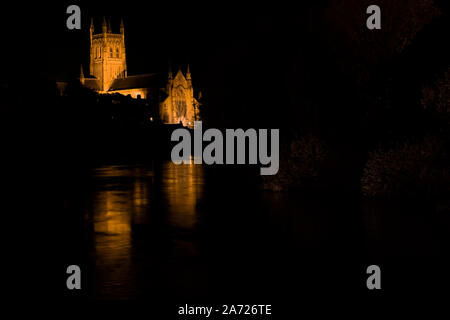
x=107 y=54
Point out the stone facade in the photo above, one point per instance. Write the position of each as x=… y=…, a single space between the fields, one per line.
x=108 y=74
x=107 y=55
x=179 y=106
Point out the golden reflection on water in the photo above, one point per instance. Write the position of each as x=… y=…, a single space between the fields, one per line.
x=182 y=185
x=123 y=198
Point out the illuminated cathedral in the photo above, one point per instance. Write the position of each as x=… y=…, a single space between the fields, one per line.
x=108 y=75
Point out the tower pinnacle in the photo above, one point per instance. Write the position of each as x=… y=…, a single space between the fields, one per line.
x=170 y=75
x=91 y=30
x=81 y=74
x=104 y=25
x=188 y=73
x=122 y=26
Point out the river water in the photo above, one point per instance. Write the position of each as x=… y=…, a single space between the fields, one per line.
x=188 y=231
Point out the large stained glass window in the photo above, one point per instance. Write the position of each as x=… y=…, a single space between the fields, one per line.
x=180 y=105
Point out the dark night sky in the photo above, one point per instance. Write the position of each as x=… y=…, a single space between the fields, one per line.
x=155 y=33
x=254 y=56
x=239 y=54
x=211 y=36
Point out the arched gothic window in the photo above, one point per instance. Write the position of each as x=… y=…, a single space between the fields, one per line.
x=110 y=52
x=180 y=104
x=117 y=52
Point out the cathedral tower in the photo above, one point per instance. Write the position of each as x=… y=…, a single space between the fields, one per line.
x=107 y=54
